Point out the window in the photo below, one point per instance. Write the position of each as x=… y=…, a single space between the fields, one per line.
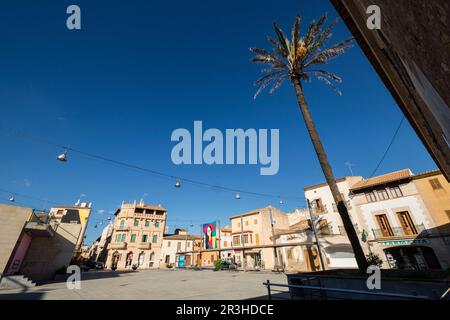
x=370 y=196
x=239 y=224
x=155 y=238
x=168 y=244
x=133 y=238
x=255 y=221
x=396 y=192
x=236 y=240
x=257 y=238
x=318 y=206
x=123 y=237
x=144 y=238
x=225 y=243
x=156 y=224
x=178 y=246
x=435 y=184
x=147 y=223
x=167 y=259
x=122 y=223
x=136 y=222
x=188 y=244
x=247 y=238
x=246 y=223
x=382 y=194
x=117 y=237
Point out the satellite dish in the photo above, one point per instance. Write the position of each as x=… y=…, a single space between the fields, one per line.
x=12 y=199
x=177 y=184
x=237 y=196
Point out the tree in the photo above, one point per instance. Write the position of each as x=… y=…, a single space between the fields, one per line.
x=299 y=59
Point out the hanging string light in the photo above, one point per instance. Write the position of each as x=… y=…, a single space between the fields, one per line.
x=63 y=156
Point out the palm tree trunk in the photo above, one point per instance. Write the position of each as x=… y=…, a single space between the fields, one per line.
x=326 y=168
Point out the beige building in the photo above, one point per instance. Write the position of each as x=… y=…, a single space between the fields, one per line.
x=137 y=237
x=404 y=215
x=252 y=234
x=37 y=244
x=98 y=252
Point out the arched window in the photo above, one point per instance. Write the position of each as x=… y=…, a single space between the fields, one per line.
x=122 y=223
x=152 y=259
x=141 y=258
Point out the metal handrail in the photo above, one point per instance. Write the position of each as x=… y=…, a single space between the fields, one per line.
x=380 y=294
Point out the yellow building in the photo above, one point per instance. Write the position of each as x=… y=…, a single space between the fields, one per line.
x=137 y=236
x=79 y=213
x=435 y=192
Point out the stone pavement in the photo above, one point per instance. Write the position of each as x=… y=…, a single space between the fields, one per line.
x=155 y=284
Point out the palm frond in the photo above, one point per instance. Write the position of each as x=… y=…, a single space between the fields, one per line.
x=296 y=57
x=328 y=82
x=281 y=38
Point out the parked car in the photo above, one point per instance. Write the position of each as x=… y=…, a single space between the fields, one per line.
x=99 y=265
x=228 y=265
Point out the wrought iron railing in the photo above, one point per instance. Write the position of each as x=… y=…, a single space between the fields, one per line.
x=399 y=231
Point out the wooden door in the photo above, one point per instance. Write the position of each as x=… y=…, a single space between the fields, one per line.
x=385 y=227
x=406 y=223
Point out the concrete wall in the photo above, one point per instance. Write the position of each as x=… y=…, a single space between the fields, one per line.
x=13 y=221
x=46 y=255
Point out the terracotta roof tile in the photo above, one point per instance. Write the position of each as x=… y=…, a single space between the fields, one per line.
x=385 y=178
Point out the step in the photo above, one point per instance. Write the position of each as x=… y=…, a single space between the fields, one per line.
x=16 y=282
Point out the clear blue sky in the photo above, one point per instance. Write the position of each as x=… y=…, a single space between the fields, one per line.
x=138 y=70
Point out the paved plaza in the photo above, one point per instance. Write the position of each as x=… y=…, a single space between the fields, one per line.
x=155 y=284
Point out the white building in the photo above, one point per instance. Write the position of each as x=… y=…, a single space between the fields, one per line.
x=178 y=249
x=399 y=223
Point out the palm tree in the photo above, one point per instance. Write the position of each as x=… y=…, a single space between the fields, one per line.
x=299 y=59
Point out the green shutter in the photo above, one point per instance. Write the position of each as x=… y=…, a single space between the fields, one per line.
x=155 y=238
x=133 y=238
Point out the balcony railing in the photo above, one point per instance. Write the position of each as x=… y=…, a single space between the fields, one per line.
x=399 y=232
x=122 y=228
x=117 y=245
x=144 y=245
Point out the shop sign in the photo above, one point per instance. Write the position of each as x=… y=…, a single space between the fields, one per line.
x=403 y=242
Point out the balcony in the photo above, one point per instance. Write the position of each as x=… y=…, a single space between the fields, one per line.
x=344 y=233
x=122 y=228
x=40 y=225
x=144 y=245
x=399 y=232
x=117 y=246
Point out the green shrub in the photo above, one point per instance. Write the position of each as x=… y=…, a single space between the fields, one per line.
x=374 y=260
x=218 y=265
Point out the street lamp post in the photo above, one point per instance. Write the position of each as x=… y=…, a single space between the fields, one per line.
x=275 y=267
x=313 y=226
